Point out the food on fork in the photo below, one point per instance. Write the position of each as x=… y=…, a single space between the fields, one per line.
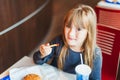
x=32 y=77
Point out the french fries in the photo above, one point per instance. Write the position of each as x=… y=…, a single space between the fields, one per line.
x=53 y=45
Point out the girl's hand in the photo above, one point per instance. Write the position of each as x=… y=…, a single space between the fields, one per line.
x=45 y=49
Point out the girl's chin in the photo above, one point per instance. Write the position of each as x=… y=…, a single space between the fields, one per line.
x=71 y=44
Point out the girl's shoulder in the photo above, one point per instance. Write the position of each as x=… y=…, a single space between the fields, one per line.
x=98 y=51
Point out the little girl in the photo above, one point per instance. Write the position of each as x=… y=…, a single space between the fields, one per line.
x=79 y=37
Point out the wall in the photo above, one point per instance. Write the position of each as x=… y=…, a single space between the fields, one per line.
x=23 y=39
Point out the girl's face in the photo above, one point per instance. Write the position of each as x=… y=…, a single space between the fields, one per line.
x=74 y=36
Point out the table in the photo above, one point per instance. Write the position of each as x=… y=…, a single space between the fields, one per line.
x=48 y=70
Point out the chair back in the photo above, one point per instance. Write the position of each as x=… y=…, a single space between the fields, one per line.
x=108 y=16
x=108 y=39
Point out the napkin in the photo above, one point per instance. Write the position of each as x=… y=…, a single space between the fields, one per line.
x=45 y=71
x=19 y=73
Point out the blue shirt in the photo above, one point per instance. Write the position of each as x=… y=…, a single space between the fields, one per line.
x=72 y=59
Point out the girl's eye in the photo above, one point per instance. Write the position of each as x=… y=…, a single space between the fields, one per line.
x=79 y=29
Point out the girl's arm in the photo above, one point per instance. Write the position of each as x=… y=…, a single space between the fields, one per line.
x=38 y=60
x=97 y=65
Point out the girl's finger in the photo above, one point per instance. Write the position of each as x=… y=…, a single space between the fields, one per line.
x=47 y=44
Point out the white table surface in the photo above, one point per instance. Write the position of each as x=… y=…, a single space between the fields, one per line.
x=27 y=61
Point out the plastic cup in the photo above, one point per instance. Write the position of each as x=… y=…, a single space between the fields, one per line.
x=82 y=72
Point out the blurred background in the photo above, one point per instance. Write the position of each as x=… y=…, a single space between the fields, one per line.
x=24 y=39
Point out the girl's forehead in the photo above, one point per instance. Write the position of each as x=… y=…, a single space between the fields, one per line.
x=75 y=19
x=78 y=23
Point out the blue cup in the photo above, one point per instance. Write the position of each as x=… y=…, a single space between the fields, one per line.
x=82 y=72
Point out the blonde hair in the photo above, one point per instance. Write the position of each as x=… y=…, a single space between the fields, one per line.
x=81 y=15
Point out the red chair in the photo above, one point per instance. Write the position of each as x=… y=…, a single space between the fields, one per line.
x=108 y=16
x=109 y=41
